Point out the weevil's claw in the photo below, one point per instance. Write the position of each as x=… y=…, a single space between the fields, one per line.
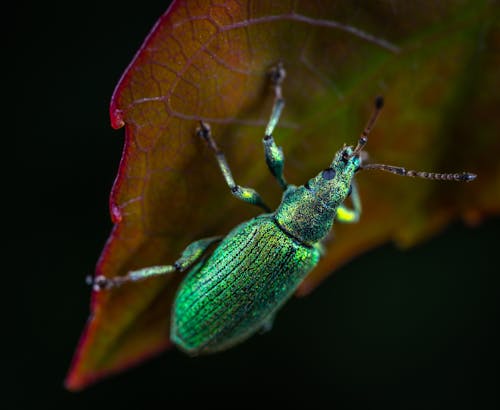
x=101 y=283
x=203 y=130
x=277 y=74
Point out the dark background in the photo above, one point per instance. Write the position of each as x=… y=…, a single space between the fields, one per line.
x=412 y=329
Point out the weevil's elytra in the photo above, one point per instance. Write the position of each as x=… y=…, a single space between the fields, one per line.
x=254 y=270
x=236 y=290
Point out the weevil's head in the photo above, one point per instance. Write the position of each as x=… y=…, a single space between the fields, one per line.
x=332 y=185
x=308 y=211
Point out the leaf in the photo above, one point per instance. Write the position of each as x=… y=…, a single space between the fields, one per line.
x=435 y=63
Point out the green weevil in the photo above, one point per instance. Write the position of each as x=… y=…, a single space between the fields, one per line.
x=237 y=289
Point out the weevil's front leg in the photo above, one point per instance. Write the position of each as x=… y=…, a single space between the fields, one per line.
x=274 y=154
x=188 y=257
x=348 y=215
x=245 y=194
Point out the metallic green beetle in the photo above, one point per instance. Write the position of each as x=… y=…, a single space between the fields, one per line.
x=235 y=291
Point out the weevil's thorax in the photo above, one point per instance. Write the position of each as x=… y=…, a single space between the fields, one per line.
x=307 y=212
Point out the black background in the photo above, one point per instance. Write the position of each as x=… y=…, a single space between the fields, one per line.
x=412 y=329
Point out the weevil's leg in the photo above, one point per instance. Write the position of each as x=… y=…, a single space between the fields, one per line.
x=347 y=215
x=245 y=194
x=189 y=256
x=274 y=154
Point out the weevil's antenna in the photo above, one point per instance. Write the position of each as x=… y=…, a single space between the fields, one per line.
x=363 y=139
x=461 y=176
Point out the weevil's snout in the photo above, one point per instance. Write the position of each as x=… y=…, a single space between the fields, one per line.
x=346 y=163
x=331 y=186
x=347 y=160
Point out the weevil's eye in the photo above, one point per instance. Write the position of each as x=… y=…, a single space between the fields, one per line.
x=328 y=174
x=345 y=156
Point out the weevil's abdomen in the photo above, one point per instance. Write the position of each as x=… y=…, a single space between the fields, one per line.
x=254 y=270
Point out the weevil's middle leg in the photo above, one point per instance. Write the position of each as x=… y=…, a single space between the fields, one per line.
x=245 y=194
x=189 y=256
x=347 y=215
x=274 y=154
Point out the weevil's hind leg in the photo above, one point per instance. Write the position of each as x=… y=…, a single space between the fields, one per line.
x=347 y=215
x=245 y=194
x=189 y=256
x=274 y=154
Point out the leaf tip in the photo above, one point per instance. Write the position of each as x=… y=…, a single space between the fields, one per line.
x=73 y=384
x=76 y=380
